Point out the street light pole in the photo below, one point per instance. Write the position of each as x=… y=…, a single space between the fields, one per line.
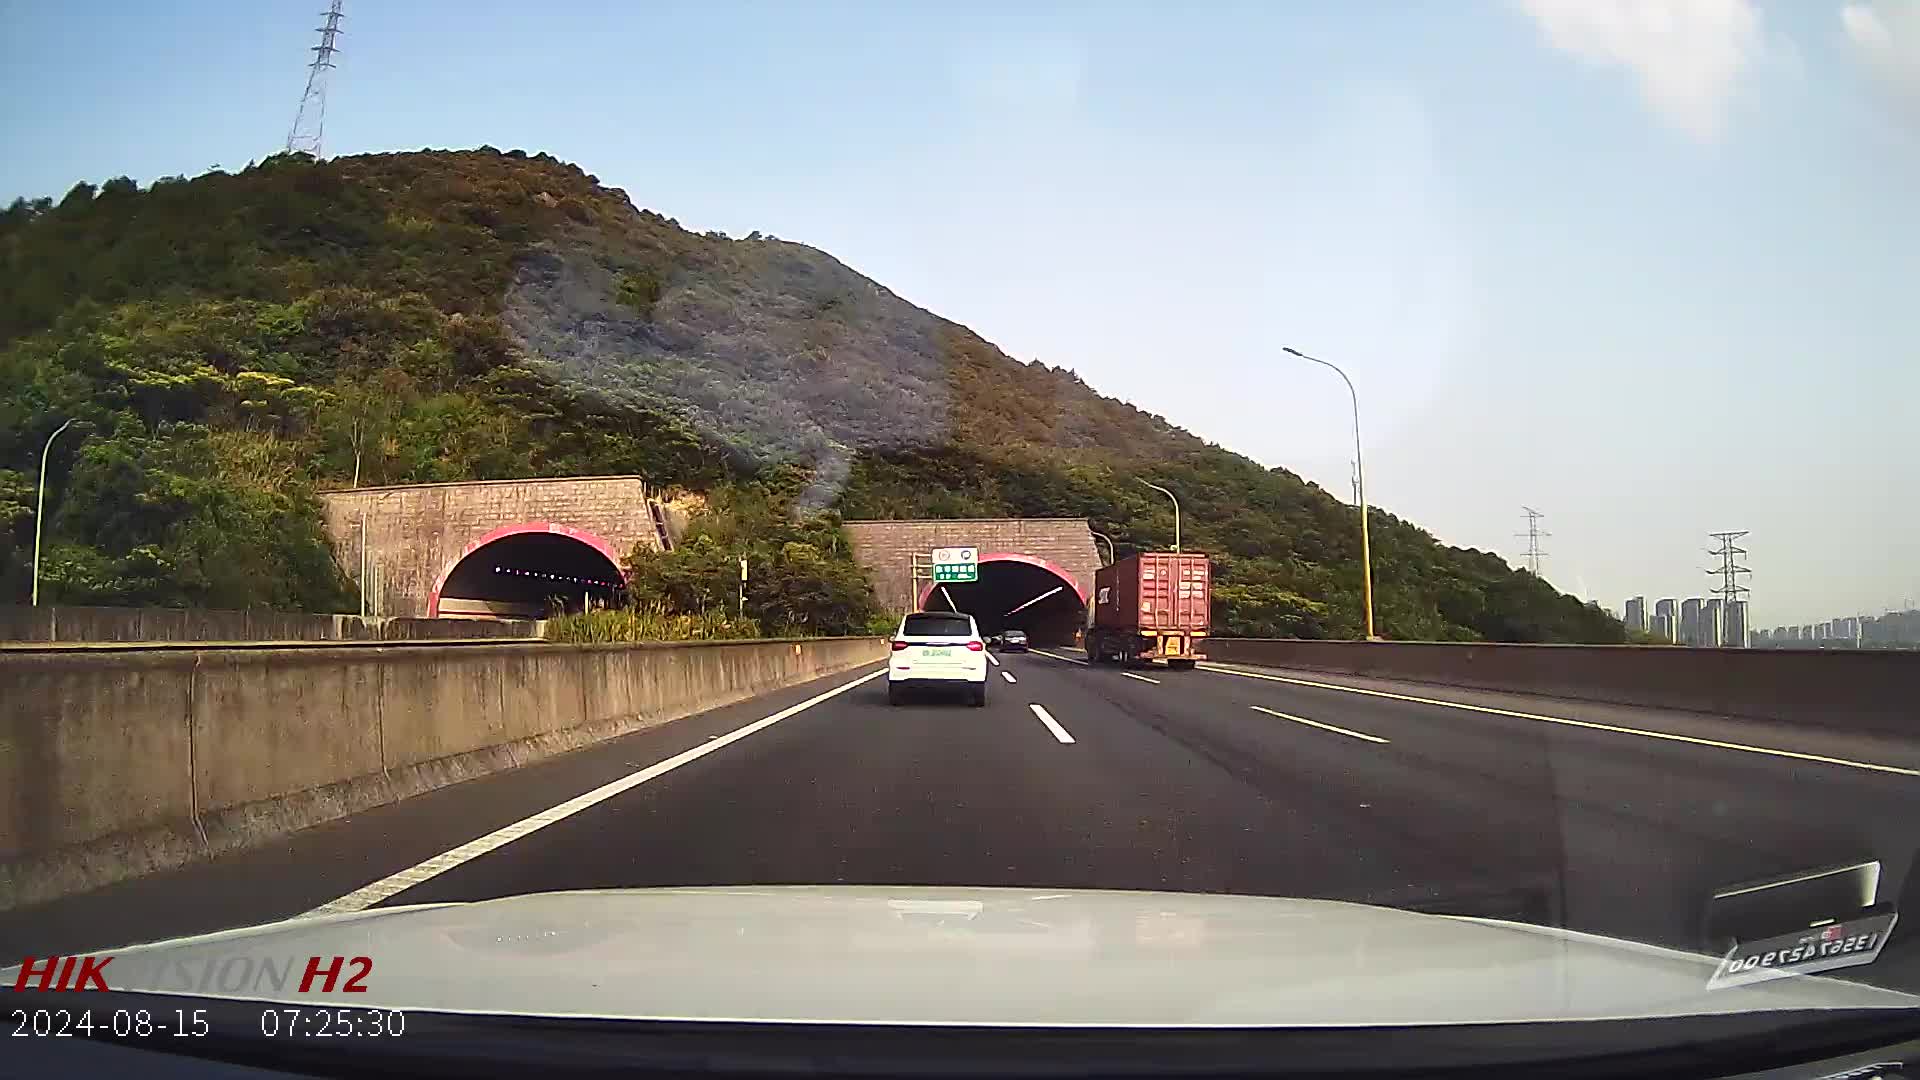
x=1103 y=536
x=40 y=508
x=1359 y=487
x=1176 y=512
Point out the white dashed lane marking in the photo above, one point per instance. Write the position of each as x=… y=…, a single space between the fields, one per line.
x=1318 y=724
x=1052 y=724
x=1666 y=736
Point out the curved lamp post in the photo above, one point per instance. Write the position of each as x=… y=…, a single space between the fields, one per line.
x=1109 y=540
x=40 y=508
x=1359 y=487
x=1176 y=511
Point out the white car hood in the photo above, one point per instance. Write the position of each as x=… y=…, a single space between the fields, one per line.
x=875 y=954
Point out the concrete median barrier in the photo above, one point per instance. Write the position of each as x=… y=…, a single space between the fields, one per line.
x=1853 y=690
x=50 y=623
x=114 y=765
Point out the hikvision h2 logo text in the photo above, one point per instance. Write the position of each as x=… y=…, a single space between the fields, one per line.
x=217 y=973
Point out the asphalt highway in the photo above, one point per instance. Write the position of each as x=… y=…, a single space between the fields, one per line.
x=1608 y=820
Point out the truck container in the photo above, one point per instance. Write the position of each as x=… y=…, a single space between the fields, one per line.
x=1157 y=605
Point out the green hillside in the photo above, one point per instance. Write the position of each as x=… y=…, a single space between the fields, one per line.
x=233 y=341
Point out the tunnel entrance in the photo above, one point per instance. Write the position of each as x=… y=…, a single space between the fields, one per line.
x=528 y=572
x=1018 y=592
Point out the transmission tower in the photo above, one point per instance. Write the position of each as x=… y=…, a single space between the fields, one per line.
x=1533 y=534
x=311 y=119
x=1730 y=590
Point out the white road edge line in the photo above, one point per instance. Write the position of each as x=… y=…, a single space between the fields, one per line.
x=1665 y=735
x=992 y=659
x=1008 y=675
x=1052 y=724
x=1057 y=656
x=1142 y=678
x=370 y=894
x=1318 y=724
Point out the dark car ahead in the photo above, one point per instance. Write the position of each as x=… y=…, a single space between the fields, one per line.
x=1014 y=640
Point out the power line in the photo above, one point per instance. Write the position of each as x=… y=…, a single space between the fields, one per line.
x=1533 y=534
x=310 y=121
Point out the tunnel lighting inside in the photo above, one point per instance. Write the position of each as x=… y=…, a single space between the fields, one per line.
x=1016 y=595
x=528 y=574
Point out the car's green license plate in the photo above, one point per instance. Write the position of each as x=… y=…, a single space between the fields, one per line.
x=937 y=652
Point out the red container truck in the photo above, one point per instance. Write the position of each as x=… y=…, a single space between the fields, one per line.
x=1157 y=605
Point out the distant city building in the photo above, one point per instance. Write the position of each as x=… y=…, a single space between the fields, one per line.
x=1733 y=630
x=1792 y=632
x=1848 y=630
x=1894 y=630
x=1823 y=631
x=1710 y=624
x=1806 y=632
x=1690 y=620
x=1636 y=614
x=1762 y=638
x=1666 y=619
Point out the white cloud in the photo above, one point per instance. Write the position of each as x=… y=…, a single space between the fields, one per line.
x=1886 y=35
x=1686 y=54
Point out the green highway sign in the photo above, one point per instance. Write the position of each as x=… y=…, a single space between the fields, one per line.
x=956 y=564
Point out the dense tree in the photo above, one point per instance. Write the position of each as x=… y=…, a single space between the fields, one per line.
x=801 y=577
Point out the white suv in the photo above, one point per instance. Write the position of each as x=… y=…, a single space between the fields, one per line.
x=938 y=648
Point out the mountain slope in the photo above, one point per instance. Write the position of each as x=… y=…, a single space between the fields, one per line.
x=231 y=341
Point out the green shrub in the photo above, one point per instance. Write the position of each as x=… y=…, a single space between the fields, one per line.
x=639 y=290
x=652 y=622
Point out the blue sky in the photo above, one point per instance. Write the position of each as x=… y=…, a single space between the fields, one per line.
x=1651 y=266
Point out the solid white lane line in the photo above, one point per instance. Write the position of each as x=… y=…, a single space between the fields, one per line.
x=1057 y=656
x=1318 y=724
x=992 y=659
x=368 y=895
x=1645 y=733
x=1871 y=892
x=1008 y=675
x=1052 y=724
x=1142 y=678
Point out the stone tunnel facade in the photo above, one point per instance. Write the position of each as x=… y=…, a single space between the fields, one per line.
x=886 y=549
x=416 y=534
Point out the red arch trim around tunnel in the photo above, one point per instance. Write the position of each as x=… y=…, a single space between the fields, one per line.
x=504 y=531
x=1048 y=565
